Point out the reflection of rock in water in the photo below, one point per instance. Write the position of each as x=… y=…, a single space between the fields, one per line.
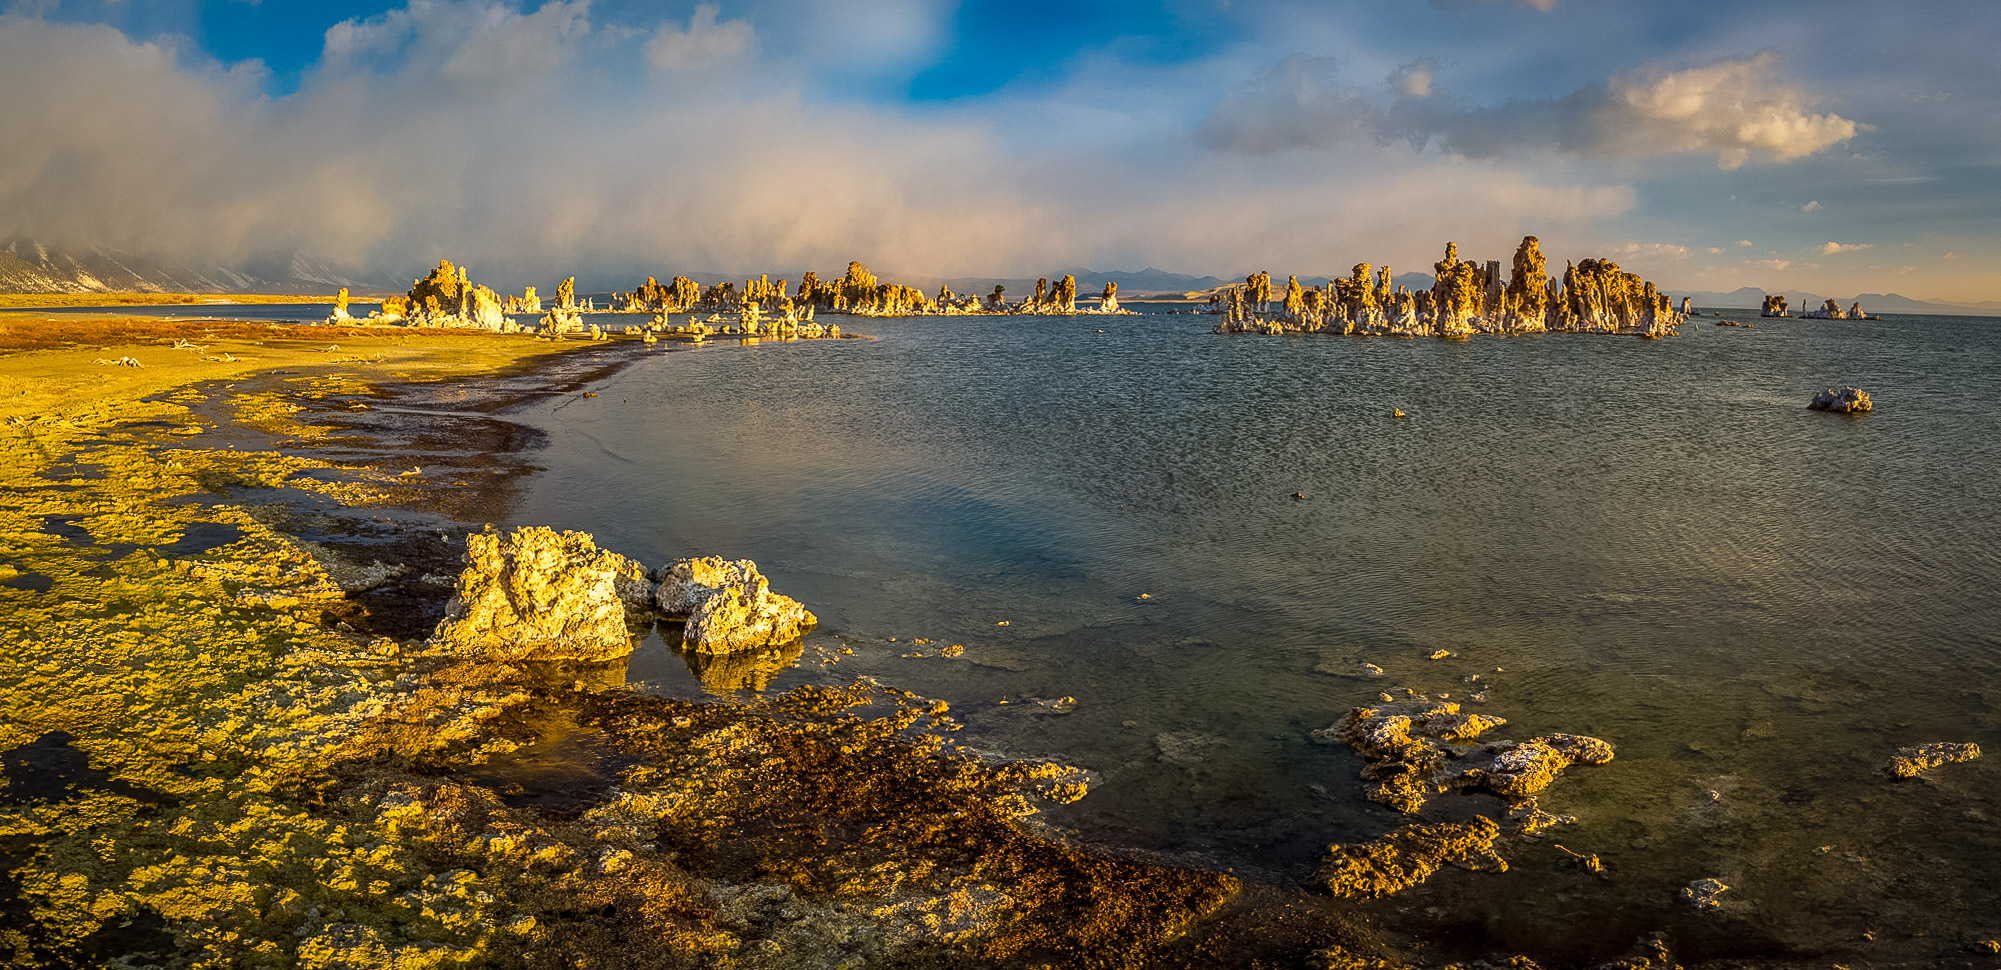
x=600 y=676
x=727 y=673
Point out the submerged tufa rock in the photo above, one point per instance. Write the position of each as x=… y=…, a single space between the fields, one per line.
x=1847 y=400
x=1525 y=768
x=1408 y=744
x=538 y=594
x=728 y=606
x=1402 y=743
x=1910 y=762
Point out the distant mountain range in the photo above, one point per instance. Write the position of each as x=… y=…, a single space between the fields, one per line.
x=1751 y=298
x=27 y=266
x=30 y=267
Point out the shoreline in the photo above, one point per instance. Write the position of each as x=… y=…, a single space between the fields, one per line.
x=321 y=722
x=504 y=811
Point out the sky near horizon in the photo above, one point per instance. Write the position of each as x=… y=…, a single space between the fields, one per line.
x=1835 y=146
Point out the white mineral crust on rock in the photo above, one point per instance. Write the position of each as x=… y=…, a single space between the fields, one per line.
x=538 y=594
x=728 y=606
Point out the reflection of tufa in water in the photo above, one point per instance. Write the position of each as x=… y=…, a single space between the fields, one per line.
x=753 y=670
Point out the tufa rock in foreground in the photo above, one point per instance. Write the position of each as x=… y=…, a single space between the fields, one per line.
x=539 y=594
x=1847 y=400
x=728 y=606
x=1912 y=761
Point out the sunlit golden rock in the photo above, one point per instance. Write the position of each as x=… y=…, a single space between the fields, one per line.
x=1913 y=761
x=538 y=594
x=728 y=606
x=1409 y=856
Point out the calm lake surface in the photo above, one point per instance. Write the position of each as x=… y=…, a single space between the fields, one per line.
x=1652 y=542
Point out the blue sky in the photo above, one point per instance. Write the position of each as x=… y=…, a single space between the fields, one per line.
x=1832 y=145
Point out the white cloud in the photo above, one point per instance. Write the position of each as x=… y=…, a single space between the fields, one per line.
x=1746 y=243
x=1813 y=206
x=1770 y=264
x=537 y=141
x=1735 y=106
x=1655 y=249
x=1715 y=250
x=1741 y=108
x=1835 y=247
x=705 y=43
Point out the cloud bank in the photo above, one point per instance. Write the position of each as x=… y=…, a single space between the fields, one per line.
x=531 y=138
x=1740 y=108
x=528 y=142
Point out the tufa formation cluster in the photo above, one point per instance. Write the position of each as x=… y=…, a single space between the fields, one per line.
x=1594 y=296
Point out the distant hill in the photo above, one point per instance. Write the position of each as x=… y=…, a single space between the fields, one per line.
x=1751 y=298
x=27 y=266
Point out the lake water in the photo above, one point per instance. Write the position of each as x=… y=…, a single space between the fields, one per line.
x=1652 y=542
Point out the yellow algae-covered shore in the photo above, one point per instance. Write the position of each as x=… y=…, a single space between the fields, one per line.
x=213 y=758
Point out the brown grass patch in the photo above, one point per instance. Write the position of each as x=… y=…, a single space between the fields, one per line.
x=24 y=332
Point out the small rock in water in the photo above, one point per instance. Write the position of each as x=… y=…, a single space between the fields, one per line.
x=1703 y=893
x=727 y=605
x=1143 y=597
x=1398 y=413
x=1441 y=654
x=1847 y=400
x=1299 y=496
x=1909 y=762
x=1063 y=705
x=1364 y=671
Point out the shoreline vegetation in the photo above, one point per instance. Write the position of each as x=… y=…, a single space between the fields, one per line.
x=225 y=745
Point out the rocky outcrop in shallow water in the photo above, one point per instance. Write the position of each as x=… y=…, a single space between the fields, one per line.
x=1913 y=761
x=1419 y=748
x=1404 y=744
x=1409 y=856
x=728 y=606
x=1520 y=769
x=1831 y=310
x=1774 y=306
x=538 y=594
x=1594 y=296
x=1847 y=400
